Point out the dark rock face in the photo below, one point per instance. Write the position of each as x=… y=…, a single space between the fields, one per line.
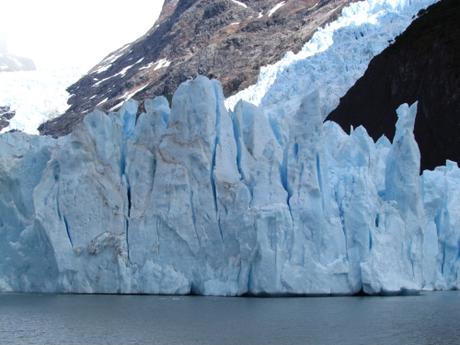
x=226 y=39
x=423 y=64
x=12 y=63
x=6 y=114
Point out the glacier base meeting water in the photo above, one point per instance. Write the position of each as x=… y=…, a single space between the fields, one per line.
x=197 y=199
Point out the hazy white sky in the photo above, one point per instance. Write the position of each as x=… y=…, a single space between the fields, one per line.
x=74 y=32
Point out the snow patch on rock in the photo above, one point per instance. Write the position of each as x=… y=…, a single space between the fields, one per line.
x=239 y=3
x=276 y=8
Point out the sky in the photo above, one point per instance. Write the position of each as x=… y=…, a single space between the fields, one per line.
x=76 y=33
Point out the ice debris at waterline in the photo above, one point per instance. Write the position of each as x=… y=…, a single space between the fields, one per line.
x=195 y=199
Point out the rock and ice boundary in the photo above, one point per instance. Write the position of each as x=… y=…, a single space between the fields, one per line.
x=196 y=199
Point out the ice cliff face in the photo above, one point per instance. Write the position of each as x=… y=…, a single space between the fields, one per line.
x=196 y=199
x=262 y=199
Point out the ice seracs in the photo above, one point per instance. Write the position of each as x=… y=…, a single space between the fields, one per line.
x=196 y=199
x=395 y=261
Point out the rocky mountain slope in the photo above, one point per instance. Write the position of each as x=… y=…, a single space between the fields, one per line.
x=423 y=64
x=226 y=39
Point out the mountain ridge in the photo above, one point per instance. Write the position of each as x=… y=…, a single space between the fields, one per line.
x=212 y=38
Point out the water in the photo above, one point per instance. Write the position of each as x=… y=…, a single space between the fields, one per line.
x=432 y=318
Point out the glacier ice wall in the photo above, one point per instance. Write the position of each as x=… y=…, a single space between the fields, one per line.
x=196 y=199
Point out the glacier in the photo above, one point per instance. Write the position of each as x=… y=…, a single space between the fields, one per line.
x=227 y=197
x=36 y=96
x=197 y=199
x=333 y=60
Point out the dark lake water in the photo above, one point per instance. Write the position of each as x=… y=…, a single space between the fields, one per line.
x=432 y=318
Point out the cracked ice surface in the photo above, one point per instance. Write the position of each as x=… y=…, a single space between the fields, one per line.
x=198 y=199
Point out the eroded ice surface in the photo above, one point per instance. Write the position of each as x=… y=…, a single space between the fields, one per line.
x=199 y=199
